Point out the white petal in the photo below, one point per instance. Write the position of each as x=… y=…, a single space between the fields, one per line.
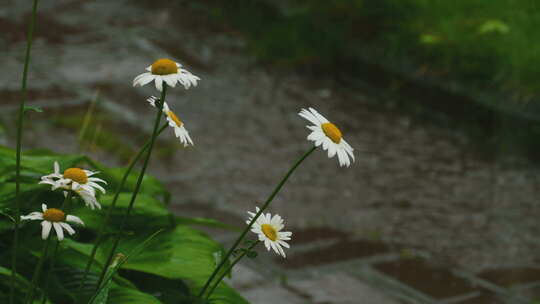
x=325 y=144
x=74 y=219
x=43 y=207
x=159 y=83
x=170 y=80
x=321 y=118
x=90 y=173
x=152 y=100
x=59 y=231
x=75 y=185
x=310 y=117
x=68 y=228
x=281 y=251
x=332 y=151
x=56 y=167
x=267 y=244
x=33 y=216
x=96 y=186
x=46 y=229
x=284 y=244
x=97 y=180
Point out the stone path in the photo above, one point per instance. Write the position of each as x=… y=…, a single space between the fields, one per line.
x=421 y=217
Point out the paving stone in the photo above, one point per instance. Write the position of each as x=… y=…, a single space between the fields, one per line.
x=340 y=288
x=272 y=294
x=244 y=277
x=437 y=282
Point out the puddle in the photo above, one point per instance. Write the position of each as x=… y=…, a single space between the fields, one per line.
x=438 y=283
x=342 y=251
x=507 y=277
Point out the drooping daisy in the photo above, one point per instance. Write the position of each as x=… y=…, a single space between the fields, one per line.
x=327 y=134
x=268 y=229
x=179 y=129
x=89 y=198
x=56 y=218
x=168 y=71
x=78 y=180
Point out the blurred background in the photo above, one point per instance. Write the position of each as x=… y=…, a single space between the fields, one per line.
x=439 y=98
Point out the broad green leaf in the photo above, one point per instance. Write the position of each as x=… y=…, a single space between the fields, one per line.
x=183 y=253
x=150 y=185
x=103 y=292
x=122 y=295
x=144 y=205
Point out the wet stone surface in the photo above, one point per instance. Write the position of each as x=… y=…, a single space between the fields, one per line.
x=413 y=183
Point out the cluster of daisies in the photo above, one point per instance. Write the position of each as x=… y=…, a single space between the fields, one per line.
x=168 y=72
x=79 y=182
x=165 y=71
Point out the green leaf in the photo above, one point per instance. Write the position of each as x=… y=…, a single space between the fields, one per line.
x=494 y=26
x=122 y=295
x=103 y=292
x=33 y=108
x=150 y=184
x=145 y=205
x=182 y=253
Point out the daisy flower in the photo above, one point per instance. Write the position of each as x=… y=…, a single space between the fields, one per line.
x=327 y=134
x=78 y=180
x=168 y=71
x=174 y=122
x=56 y=218
x=268 y=229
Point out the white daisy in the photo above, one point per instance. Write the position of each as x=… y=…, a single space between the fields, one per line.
x=168 y=71
x=327 y=134
x=179 y=129
x=56 y=218
x=268 y=228
x=78 y=180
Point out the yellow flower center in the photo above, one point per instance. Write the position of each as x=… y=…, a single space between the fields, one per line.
x=174 y=118
x=332 y=132
x=54 y=215
x=164 y=66
x=269 y=231
x=76 y=174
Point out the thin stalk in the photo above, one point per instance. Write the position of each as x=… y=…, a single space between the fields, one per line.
x=238 y=258
x=37 y=270
x=119 y=188
x=243 y=234
x=138 y=185
x=30 y=36
x=65 y=207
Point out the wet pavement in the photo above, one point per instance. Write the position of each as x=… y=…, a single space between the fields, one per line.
x=420 y=217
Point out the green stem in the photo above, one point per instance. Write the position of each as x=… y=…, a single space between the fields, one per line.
x=211 y=290
x=138 y=185
x=37 y=270
x=30 y=36
x=243 y=234
x=65 y=207
x=119 y=188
